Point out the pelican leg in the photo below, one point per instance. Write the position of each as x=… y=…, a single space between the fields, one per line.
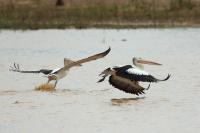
x=55 y=84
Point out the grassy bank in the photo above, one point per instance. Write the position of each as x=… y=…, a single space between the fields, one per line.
x=36 y=14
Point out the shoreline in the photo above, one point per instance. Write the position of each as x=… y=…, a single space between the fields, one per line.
x=109 y=25
x=126 y=14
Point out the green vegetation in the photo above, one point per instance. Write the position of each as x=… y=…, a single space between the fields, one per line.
x=36 y=14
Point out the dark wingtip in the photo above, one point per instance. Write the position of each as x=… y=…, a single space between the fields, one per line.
x=14 y=68
x=148 y=87
x=107 y=51
x=168 y=76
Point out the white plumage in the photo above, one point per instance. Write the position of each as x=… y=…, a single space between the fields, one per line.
x=55 y=70
x=137 y=71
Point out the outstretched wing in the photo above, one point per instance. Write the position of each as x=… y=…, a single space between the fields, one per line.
x=135 y=74
x=140 y=75
x=126 y=85
x=69 y=61
x=90 y=58
x=15 y=68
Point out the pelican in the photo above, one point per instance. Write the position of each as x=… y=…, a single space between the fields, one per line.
x=59 y=73
x=127 y=78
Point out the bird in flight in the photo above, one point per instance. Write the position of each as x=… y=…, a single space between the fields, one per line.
x=59 y=73
x=127 y=78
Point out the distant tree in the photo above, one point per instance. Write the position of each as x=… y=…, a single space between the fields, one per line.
x=60 y=3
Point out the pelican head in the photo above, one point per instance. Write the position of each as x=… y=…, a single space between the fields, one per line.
x=105 y=73
x=139 y=61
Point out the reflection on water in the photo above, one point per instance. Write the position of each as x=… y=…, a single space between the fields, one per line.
x=126 y=101
x=79 y=104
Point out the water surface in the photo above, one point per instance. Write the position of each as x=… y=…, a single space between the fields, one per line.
x=82 y=105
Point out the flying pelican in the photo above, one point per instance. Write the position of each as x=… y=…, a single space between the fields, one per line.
x=127 y=78
x=59 y=73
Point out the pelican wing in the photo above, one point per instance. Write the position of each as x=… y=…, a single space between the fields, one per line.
x=90 y=58
x=126 y=85
x=16 y=68
x=135 y=74
x=69 y=61
x=140 y=75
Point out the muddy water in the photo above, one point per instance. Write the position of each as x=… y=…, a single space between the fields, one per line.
x=80 y=104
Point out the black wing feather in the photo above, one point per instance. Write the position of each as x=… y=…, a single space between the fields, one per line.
x=17 y=69
x=122 y=72
x=143 y=78
x=126 y=85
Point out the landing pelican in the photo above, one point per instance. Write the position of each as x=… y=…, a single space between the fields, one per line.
x=127 y=78
x=59 y=73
